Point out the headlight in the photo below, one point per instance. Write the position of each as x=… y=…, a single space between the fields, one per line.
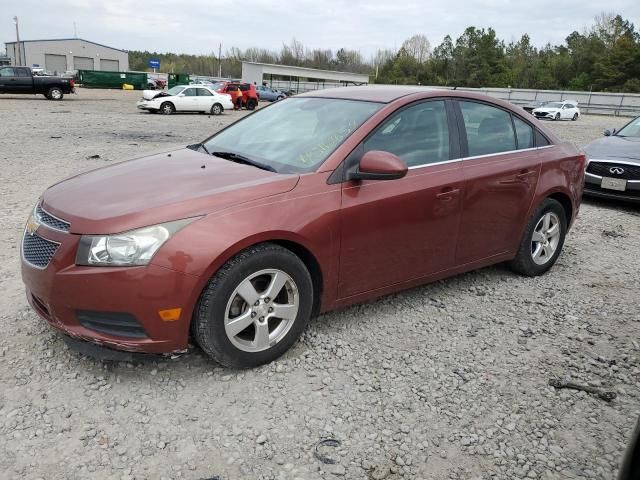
x=135 y=247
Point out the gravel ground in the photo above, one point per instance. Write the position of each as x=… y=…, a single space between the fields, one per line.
x=446 y=381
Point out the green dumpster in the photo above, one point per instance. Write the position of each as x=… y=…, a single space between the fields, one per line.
x=178 y=79
x=102 y=79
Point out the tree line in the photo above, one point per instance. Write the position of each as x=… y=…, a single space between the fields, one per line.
x=603 y=57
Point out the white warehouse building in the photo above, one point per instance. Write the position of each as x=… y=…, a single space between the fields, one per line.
x=67 y=54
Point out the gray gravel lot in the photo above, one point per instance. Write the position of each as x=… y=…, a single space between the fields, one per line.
x=446 y=381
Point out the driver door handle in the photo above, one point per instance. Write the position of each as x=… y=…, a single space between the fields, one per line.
x=447 y=194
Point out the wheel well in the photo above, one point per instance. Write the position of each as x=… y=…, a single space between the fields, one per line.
x=565 y=201
x=312 y=265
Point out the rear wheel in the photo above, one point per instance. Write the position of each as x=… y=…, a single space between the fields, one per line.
x=255 y=307
x=167 y=108
x=252 y=103
x=54 y=93
x=542 y=240
x=575 y=117
x=216 y=109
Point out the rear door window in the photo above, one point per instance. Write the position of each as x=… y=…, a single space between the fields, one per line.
x=524 y=133
x=489 y=129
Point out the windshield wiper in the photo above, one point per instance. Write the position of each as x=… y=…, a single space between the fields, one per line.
x=234 y=157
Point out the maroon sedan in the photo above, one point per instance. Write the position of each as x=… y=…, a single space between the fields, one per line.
x=313 y=203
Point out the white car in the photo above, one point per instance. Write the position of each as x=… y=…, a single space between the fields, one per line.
x=565 y=110
x=185 y=98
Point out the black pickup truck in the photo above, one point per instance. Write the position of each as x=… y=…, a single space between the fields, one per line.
x=21 y=80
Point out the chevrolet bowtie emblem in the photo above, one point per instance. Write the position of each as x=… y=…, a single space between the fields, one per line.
x=32 y=225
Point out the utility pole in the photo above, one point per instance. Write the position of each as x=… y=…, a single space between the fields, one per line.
x=75 y=31
x=220 y=61
x=17 y=49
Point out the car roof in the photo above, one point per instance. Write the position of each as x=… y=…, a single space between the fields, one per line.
x=391 y=93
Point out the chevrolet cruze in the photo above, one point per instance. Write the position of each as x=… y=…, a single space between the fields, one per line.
x=311 y=204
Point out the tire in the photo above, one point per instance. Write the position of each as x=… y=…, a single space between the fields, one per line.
x=548 y=246
x=55 y=93
x=557 y=117
x=252 y=103
x=279 y=98
x=575 y=117
x=253 y=271
x=167 y=108
x=216 y=109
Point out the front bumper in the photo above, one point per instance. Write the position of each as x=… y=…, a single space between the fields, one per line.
x=144 y=105
x=593 y=188
x=547 y=116
x=90 y=303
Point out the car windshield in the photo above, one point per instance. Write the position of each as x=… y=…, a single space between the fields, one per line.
x=295 y=135
x=175 y=90
x=631 y=129
x=553 y=105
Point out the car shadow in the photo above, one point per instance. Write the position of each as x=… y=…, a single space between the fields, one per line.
x=612 y=204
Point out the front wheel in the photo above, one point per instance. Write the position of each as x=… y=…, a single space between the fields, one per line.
x=542 y=240
x=167 y=108
x=216 y=109
x=557 y=117
x=254 y=308
x=575 y=117
x=54 y=93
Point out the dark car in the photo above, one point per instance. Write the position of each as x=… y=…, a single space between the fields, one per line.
x=314 y=203
x=20 y=80
x=613 y=164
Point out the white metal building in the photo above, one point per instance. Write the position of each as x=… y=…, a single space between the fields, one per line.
x=67 y=54
x=298 y=78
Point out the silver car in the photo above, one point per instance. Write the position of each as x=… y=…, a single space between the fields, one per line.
x=613 y=164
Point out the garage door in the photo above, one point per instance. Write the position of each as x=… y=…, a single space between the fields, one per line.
x=55 y=63
x=109 y=65
x=82 y=63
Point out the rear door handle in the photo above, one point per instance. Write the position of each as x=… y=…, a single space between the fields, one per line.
x=525 y=174
x=448 y=193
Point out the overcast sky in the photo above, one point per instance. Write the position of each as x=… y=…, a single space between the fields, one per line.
x=197 y=26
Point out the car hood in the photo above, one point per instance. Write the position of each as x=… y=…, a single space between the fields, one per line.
x=151 y=94
x=156 y=189
x=614 y=147
x=545 y=109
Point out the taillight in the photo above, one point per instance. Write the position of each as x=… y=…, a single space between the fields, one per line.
x=72 y=83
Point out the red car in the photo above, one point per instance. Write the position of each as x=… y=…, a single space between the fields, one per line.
x=334 y=197
x=250 y=95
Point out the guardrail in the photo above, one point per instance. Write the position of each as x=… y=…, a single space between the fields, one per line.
x=599 y=103
x=602 y=103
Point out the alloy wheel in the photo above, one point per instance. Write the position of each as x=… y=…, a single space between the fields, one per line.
x=545 y=238
x=261 y=310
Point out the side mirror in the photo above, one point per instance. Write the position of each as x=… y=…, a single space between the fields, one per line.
x=608 y=133
x=181 y=94
x=378 y=165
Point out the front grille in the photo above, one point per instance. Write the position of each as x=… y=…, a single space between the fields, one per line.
x=112 y=323
x=37 y=251
x=629 y=172
x=51 y=221
x=541 y=114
